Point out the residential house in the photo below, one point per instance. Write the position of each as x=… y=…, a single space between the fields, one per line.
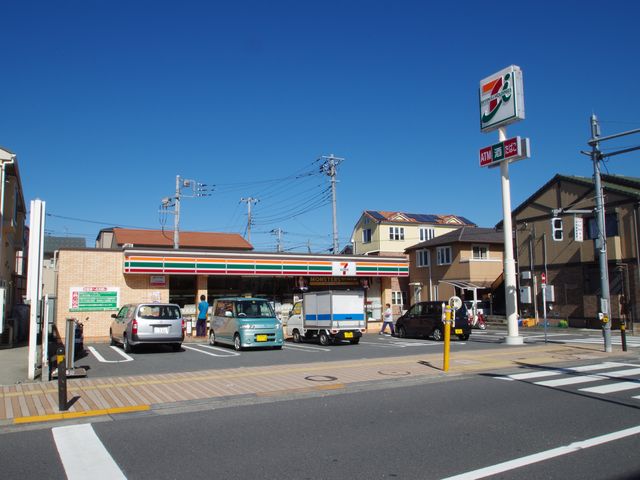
x=555 y=232
x=51 y=247
x=13 y=240
x=389 y=234
x=465 y=262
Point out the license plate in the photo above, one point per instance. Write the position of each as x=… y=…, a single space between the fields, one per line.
x=164 y=330
x=348 y=334
x=261 y=338
x=458 y=331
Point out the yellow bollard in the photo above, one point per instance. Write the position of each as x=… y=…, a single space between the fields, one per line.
x=447 y=337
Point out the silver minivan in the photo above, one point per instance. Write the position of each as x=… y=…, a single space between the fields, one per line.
x=138 y=323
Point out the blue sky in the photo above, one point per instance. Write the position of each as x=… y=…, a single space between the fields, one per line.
x=105 y=102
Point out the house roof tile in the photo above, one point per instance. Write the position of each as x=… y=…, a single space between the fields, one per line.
x=159 y=238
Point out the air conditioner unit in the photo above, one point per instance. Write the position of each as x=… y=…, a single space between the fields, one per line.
x=526 y=275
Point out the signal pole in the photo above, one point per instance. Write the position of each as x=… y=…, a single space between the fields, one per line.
x=601 y=244
x=249 y=201
x=329 y=167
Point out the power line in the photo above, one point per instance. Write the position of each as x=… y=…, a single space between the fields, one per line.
x=95 y=222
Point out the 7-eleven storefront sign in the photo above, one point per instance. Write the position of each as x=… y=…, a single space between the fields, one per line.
x=223 y=263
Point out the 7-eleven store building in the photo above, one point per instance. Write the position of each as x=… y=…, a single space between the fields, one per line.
x=94 y=283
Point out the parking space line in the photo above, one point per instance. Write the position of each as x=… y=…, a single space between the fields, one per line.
x=100 y=358
x=307 y=348
x=227 y=353
x=232 y=353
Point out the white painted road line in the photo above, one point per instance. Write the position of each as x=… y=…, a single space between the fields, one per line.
x=100 y=358
x=560 y=382
x=546 y=455
x=306 y=348
x=227 y=353
x=83 y=455
x=613 y=387
x=599 y=366
x=232 y=353
x=539 y=374
x=590 y=378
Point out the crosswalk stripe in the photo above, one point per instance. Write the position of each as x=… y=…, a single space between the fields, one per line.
x=560 y=382
x=83 y=455
x=539 y=374
x=613 y=387
x=599 y=366
x=588 y=378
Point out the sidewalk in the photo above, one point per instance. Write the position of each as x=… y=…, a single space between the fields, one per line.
x=36 y=402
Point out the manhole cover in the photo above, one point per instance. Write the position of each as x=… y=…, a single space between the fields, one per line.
x=395 y=373
x=320 y=378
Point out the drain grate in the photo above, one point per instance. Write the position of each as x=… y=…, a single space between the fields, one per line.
x=395 y=373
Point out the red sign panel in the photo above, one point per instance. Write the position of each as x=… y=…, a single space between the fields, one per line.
x=486 y=156
x=511 y=147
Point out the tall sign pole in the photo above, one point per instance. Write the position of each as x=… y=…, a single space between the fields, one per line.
x=34 y=287
x=502 y=103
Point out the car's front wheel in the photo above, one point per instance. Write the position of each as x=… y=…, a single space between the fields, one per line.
x=237 y=344
x=112 y=341
x=402 y=332
x=212 y=337
x=437 y=335
x=296 y=337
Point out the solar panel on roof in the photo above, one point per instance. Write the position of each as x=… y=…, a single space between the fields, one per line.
x=375 y=215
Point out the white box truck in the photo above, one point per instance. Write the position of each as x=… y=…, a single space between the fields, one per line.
x=328 y=316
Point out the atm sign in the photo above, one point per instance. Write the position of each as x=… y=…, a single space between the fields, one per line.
x=511 y=149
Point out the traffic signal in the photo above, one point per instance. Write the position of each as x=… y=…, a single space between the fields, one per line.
x=556 y=229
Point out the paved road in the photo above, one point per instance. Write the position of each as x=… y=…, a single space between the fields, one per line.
x=584 y=425
x=105 y=361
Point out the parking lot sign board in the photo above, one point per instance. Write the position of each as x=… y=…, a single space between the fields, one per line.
x=86 y=299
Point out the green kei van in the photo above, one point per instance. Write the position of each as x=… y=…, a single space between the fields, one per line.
x=245 y=322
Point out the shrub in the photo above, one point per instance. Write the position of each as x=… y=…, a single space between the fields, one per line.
x=563 y=324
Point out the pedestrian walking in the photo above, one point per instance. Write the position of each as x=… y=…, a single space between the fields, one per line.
x=387 y=319
x=201 y=323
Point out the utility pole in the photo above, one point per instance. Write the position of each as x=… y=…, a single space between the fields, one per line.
x=601 y=244
x=278 y=233
x=249 y=201
x=329 y=167
x=197 y=190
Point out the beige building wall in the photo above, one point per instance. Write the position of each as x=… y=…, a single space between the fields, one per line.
x=99 y=268
x=380 y=241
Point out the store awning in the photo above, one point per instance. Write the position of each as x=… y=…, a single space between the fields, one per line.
x=466 y=285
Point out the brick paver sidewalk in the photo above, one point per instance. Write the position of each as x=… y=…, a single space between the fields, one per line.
x=39 y=401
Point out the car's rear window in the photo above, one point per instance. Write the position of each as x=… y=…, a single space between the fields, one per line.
x=162 y=312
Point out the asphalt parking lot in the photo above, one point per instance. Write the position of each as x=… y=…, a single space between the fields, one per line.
x=103 y=360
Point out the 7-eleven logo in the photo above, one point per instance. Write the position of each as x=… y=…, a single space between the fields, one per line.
x=493 y=95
